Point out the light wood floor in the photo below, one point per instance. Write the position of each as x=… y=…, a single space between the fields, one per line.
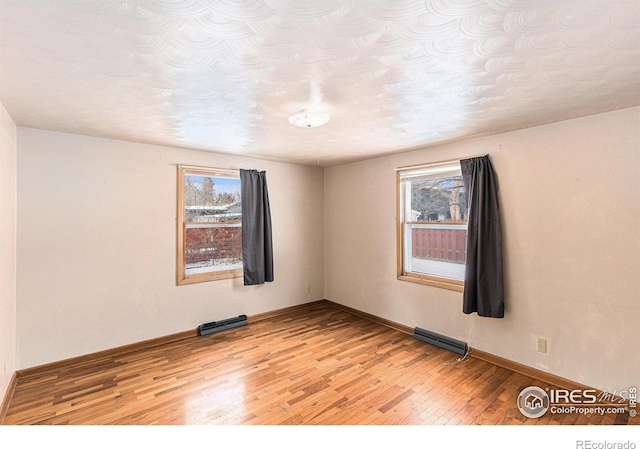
x=318 y=365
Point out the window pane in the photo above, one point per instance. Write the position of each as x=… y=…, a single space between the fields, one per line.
x=213 y=248
x=437 y=250
x=440 y=199
x=211 y=199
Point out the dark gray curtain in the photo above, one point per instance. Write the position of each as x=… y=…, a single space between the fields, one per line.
x=483 y=282
x=257 y=246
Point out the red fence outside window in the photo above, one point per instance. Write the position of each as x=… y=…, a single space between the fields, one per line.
x=439 y=241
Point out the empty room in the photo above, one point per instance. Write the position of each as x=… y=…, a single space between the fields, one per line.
x=310 y=213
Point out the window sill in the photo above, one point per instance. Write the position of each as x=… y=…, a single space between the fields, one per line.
x=212 y=276
x=448 y=284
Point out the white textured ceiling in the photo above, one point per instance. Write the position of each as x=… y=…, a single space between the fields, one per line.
x=394 y=75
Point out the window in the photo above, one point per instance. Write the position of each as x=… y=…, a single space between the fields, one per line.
x=209 y=225
x=432 y=225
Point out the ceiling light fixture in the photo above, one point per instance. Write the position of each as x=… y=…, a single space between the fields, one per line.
x=309 y=119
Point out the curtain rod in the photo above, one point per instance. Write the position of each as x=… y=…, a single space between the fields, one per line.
x=435 y=164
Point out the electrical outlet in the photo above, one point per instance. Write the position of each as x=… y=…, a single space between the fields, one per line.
x=542 y=345
x=309 y=288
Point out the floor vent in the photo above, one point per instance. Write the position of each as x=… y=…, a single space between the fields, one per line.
x=457 y=346
x=217 y=326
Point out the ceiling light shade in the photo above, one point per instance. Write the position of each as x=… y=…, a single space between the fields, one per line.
x=309 y=119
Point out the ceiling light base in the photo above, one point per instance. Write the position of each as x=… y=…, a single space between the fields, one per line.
x=309 y=119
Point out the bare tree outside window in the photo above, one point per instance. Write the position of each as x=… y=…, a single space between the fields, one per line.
x=441 y=199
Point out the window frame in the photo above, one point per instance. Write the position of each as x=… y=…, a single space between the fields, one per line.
x=181 y=276
x=402 y=273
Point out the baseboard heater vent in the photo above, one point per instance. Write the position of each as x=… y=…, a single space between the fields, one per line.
x=217 y=326
x=457 y=346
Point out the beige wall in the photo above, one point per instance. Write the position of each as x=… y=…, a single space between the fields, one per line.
x=570 y=197
x=97 y=237
x=8 y=150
